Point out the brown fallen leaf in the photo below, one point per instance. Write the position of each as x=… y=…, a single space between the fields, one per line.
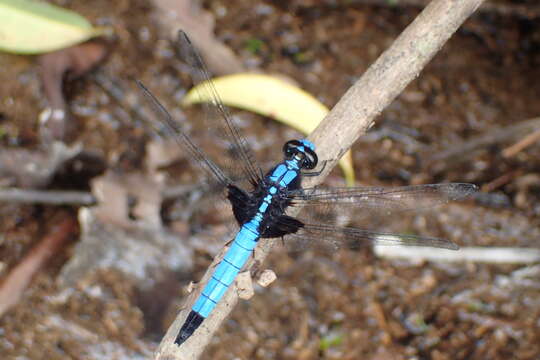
x=18 y=279
x=187 y=15
x=124 y=232
x=55 y=67
x=161 y=153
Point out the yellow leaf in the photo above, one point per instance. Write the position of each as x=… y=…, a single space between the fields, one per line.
x=272 y=97
x=33 y=27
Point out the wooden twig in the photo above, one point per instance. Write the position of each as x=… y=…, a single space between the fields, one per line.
x=492 y=255
x=49 y=197
x=76 y=198
x=521 y=144
x=459 y=153
x=527 y=11
x=350 y=118
x=500 y=181
x=18 y=279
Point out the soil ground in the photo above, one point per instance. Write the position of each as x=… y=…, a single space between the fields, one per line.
x=339 y=305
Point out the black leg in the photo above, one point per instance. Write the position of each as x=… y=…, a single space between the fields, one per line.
x=316 y=173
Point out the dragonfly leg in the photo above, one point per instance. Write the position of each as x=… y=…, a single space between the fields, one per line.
x=316 y=173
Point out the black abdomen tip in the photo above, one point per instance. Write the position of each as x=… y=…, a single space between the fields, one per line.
x=193 y=321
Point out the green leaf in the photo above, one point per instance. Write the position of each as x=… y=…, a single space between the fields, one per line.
x=254 y=45
x=33 y=27
x=272 y=97
x=330 y=340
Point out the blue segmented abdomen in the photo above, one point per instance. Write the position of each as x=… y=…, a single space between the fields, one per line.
x=222 y=278
x=225 y=273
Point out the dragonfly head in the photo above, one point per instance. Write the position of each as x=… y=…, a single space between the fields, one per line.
x=302 y=151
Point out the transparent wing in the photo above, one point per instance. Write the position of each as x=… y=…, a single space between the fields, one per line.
x=241 y=163
x=174 y=129
x=353 y=238
x=380 y=200
x=372 y=205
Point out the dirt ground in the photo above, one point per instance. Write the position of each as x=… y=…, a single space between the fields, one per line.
x=339 y=305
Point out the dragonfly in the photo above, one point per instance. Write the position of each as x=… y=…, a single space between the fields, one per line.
x=260 y=210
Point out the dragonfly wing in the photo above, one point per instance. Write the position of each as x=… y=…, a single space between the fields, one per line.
x=378 y=201
x=176 y=132
x=372 y=205
x=242 y=164
x=353 y=238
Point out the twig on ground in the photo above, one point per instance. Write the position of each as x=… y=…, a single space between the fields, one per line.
x=460 y=153
x=493 y=255
x=75 y=198
x=501 y=181
x=522 y=144
x=350 y=118
x=18 y=279
x=49 y=197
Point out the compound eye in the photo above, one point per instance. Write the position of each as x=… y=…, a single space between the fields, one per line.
x=307 y=164
x=290 y=148
x=310 y=160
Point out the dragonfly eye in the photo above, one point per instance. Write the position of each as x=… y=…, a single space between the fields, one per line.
x=291 y=148
x=310 y=159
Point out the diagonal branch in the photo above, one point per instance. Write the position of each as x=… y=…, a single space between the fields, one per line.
x=349 y=119
x=526 y=11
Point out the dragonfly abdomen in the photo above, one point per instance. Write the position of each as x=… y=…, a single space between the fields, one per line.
x=222 y=278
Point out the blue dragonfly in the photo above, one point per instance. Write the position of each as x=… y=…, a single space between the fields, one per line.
x=260 y=211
